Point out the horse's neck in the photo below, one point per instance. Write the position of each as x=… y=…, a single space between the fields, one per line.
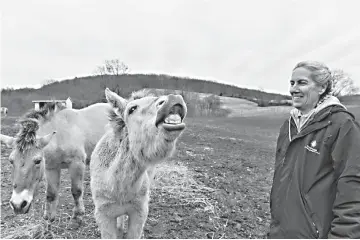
x=47 y=126
x=126 y=170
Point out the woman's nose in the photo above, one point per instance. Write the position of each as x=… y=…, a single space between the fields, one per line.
x=294 y=87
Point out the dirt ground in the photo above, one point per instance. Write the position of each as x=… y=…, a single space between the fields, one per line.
x=229 y=161
x=222 y=168
x=232 y=158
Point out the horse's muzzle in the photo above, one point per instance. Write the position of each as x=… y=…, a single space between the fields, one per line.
x=21 y=208
x=172 y=113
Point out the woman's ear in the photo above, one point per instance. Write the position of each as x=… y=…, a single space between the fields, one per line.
x=323 y=88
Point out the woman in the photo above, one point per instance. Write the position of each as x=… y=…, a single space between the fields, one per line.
x=316 y=185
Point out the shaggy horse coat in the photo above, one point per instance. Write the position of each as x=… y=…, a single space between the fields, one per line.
x=144 y=131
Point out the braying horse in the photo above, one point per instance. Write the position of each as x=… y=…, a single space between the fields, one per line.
x=144 y=131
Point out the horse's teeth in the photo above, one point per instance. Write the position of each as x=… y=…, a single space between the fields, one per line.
x=173 y=119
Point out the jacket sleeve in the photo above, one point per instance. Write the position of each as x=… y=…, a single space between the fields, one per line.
x=346 y=208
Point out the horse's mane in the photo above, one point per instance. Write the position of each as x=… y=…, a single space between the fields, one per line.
x=140 y=94
x=27 y=134
x=30 y=124
x=45 y=112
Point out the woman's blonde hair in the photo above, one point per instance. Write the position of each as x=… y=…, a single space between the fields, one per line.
x=320 y=73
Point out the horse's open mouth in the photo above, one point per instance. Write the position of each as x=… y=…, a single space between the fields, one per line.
x=173 y=122
x=173 y=119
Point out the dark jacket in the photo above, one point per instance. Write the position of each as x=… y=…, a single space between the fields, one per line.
x=316 y=184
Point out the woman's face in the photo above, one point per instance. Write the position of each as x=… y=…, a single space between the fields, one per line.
x=304 y=90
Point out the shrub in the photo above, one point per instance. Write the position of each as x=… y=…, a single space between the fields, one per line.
x=263 y=103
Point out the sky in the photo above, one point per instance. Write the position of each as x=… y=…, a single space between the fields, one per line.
x=247 y=43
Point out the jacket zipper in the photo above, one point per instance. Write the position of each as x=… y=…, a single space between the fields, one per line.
x=316 y=229
x=308 y=211
x=300 y=135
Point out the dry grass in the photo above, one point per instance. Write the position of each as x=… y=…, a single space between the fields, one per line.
x=172 y=181
x=176 y=181
x=35 y=227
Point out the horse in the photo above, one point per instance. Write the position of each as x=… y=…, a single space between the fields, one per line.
x=51 y=139
x=144 y=131
x=4 y=111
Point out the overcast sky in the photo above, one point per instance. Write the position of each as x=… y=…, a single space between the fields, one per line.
x=251 y=43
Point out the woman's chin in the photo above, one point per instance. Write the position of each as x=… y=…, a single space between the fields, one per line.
x=297 y=105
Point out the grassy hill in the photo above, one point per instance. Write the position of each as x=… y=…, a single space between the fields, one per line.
x=350 y=99
x=87 y=90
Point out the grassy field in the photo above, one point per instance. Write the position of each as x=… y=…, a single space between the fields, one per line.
x=216 y=185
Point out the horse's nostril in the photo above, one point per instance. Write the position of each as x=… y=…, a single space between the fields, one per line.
x=15 y=185
x=23 y=204
x=161 y=102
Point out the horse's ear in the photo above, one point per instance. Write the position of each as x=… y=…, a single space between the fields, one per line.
x=43 y=141
x=7 y=140
x=115 y=100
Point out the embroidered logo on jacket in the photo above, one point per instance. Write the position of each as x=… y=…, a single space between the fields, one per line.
x=312 y=148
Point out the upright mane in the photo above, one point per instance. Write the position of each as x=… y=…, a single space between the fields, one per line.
x=26 y=137
x=140 y=94
x=46 y=112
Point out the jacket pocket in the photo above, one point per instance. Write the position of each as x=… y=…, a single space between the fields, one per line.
x=314 y=226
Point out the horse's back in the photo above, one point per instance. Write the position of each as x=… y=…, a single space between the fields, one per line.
x=91 y=119
x=80 y=129
x=96 y=117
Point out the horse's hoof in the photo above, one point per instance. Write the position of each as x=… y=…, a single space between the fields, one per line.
x=48 y=218
x=76 y=222
x=78 y=213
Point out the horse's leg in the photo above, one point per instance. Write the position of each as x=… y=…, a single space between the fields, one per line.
x=137 y=219
x=120 y=227
x=76 y=170
x=106 y=224
x=52 y=193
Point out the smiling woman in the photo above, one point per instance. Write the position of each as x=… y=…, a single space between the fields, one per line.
x=309 y=83
x=316 y=181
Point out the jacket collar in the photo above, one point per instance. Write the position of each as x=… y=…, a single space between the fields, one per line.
x=317 y=122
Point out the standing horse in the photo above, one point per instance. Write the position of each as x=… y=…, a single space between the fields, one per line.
x=144 y=133
x=4 y=111
x=52 y=139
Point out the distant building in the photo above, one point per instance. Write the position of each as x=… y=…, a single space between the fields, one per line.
x=40 y=103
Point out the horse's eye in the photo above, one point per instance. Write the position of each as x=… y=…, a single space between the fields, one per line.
x=132 y=109
x=37 y=161
x=11 y=161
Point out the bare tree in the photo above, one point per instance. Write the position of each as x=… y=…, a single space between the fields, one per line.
x=48 y=82
x=100 y=70
x=343 y=84
x=112 y=67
